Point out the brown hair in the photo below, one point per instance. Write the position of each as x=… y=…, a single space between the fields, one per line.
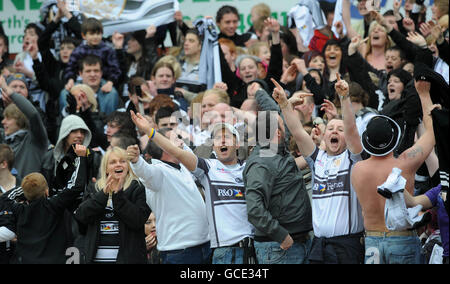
x=134 y=82
x=91 y=25
x=7 y=154
x=34 y=186
x=158 y=102
x=229 y=43
x=357 y=94
x=13 y=112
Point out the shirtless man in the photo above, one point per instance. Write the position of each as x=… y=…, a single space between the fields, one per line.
x=382 y=245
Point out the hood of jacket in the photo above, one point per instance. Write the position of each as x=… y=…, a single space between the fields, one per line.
x=70 y=123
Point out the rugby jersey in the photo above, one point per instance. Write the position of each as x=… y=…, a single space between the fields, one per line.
x=109 y=243
x=335 y=207
x=225 y=201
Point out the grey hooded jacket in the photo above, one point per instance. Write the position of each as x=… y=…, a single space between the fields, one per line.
x=29 y=145
x=55 y=154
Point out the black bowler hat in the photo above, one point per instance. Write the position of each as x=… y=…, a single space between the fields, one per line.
x=381 y=137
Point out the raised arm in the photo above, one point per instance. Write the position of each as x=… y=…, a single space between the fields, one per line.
x=37 y=128
x=304 y=141
x=346 y=18
x=350 y=130
x=420 y=151
x=188 y=159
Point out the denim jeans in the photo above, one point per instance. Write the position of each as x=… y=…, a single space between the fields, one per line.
x=200 y=254
x=272 y=253
x=228 y=255
x=392 y=250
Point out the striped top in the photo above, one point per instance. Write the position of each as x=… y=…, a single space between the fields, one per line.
x=335 y=207
x=109 y=242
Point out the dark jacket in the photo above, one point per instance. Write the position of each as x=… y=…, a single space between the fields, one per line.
x=132 y=211
x=239 y=40
x=39 y=224
x=407 y=112
x=277 y=201
x=237 y=89
x=110 y=63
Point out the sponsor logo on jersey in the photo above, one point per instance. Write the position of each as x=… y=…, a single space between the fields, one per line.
x=229 y=192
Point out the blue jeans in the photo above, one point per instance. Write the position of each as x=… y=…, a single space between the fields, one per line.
x=200 y=254
x=272 y=253
x=392 y=250
x=228 y=255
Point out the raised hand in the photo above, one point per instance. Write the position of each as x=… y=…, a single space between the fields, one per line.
x=141 y=122
x=290 y=74
x=118 y=40
x=339 y=28
x=220 y=85
x=106 y=88
x=301 y=65
x=409 y=25
x=397 y=5
x=298 y=99
x=355 y=44
x=252 y=89
x=272 y=24
x=69 y=84
x=133 y=153
x=341 y=87
x=80 y=150
x=422 y=88
x=150 y=31
x=417 y=39
x=279 y=94
x=381 y=20
x=33 y=50
x=330 y=109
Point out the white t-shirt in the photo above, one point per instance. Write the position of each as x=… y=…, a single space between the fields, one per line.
x=335 y=207
x=177 y=203
x=225 y=201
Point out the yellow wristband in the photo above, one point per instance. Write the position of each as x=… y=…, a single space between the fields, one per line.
x=152 y=134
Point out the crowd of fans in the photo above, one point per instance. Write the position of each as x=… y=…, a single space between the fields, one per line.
x=328 y=151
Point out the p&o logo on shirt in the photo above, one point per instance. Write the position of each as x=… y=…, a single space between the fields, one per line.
x=222 y=192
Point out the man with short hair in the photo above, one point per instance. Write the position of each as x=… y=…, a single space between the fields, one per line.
x=176 y=201
x=277 y=202
x=337 y=218
x=165 y=119
x=91 y=74
x=230 y=232
x=380 y=139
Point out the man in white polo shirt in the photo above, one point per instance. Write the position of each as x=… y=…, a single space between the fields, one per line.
x=173 y=196
x=230 y=232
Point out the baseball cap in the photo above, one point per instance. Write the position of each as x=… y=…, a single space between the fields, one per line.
x=227 y=126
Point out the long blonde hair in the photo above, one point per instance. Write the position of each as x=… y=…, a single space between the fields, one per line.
x=89 y=94
x=389 y=43
x=121 y=153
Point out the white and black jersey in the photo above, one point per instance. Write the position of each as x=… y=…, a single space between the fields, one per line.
x=335 y=207
x=225 y=201
x=109 y=242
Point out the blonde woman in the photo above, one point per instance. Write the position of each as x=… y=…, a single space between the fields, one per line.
x=377 y=44
x=114 y=213
x=84 y=97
